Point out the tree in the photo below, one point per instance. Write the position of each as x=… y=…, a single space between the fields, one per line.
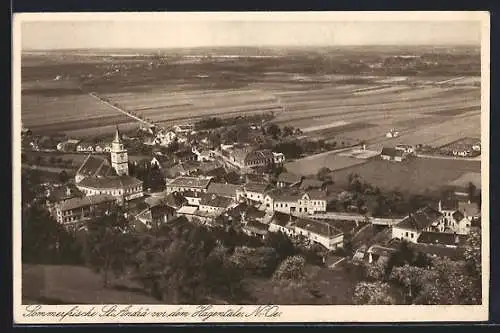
x=411 y=279
x=288 y=131
x=259 y=261
x=108 y=243
x=282 y=245
x=156 y=179
x=292 y=268
x=373 y=293
x=323 y=174
x=63 y=176
x=273 y=130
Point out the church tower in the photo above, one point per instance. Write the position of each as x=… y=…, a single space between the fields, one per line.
x=119 y=156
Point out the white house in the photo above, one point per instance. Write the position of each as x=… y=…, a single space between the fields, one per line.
x=425 y=219
x=309 y=202
x=319 y=233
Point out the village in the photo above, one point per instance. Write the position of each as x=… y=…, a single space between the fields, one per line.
x=198 y=176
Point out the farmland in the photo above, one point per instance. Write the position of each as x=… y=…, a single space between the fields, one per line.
x=337 y=92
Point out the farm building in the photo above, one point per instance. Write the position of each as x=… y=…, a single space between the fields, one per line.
x=425 y=219
x=393 y=154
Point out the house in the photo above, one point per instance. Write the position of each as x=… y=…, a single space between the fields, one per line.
x=393 y=154
x=182 y=169
x=254 y=177
x=255 y=229
x=61 y=194
x=454 y=219
x=279 y=158
x=184 y=129
x=225 y=190
x=407 y=149
x=161 y=162
x=380 y=254
x=94 y=166
x=156 y=215
x=192 y=198
x=74 y=211
x=68 y=145
x=83 y=147
x=244 y=213
x=259 y=158
x=164 y=138
x=183 y=184
x=319 y=233
x=184 y=156
x=294 y=203
x=470 y=210
x=288 y=179
x=123 y=188
x=425 y=219
x=194 y=214
x=441 y=238
x=204 y=155
x=281 y=222
x=253 y=192
x=211 y=168
x=215 y=203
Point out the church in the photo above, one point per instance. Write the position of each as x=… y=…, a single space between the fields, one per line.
x=98 y=175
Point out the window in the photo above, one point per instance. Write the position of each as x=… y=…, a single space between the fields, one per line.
x=406 y=234
x=411 y=236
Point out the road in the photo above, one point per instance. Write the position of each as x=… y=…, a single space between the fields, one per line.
x=93 y=95
x=439 y=157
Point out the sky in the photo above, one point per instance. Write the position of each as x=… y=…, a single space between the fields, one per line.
x=78 y=34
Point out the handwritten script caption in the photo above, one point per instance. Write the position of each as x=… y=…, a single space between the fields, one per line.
x=201 y=312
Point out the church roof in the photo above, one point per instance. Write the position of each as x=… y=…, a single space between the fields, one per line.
x=94 y=166
x=117 y=136
x=112 y=182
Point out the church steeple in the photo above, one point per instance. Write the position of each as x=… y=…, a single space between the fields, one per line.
x=119 y=156
x=118 y=138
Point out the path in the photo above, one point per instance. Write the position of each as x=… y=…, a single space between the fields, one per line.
x=128 y=114
x=440 y=157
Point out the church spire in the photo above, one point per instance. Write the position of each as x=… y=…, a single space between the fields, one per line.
x=117 y=135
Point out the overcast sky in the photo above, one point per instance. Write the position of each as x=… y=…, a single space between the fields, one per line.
x=45 y=35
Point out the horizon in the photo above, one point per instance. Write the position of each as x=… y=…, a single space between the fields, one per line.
x=116 y=34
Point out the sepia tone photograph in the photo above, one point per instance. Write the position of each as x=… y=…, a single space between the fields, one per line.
x=255 y=163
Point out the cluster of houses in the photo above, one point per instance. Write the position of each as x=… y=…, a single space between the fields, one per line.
x=398 y=153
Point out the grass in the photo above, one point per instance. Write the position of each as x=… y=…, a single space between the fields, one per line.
x=412 y=176
x=310 y=165
x=48 y=284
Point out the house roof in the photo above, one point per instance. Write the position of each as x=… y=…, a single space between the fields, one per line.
x=420 y=220
x=226 y=190
x=289 y=178
x=193 y=182
x=175 y=200
x=249 y=211
x=286 y=196
x=439 y=250
x=160 y=210
x=190 y=210
x=280 y=219
x=74 y=203
x=257 y=178
x=393 y=152
x=61 y=193
x=184 y=153
x=317 y=194
x=317 y=227
x=441 y=238
x=113 y=182
x=257 y=155
x=95 y=166
x=214 y=200
x=257 y=227
x=380 y=250
x=209 y=166
x=256 y=187
x=310 y=183
x=458 y=216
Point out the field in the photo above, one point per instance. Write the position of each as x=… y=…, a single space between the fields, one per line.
x=327 y=92
x=414 y=175
x=47 y=284
x=310 y=165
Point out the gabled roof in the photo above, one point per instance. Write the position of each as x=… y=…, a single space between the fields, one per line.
x=61 y=193
x=317 y=195
x=259 y=155
x=250 y=211
x=94 y=166
x=85 y=201
x=280 y=219
x=257 y=227
x=441 y=238
x=214 y=200
x=449 y=204
x=193 y=182
x=289 y=178
x=256 y=187
x=392 y=152
x=317 y=227
x=458 y=216
x=421 y=219
x=310 y=183
x=114 y=182
x=226 y=190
